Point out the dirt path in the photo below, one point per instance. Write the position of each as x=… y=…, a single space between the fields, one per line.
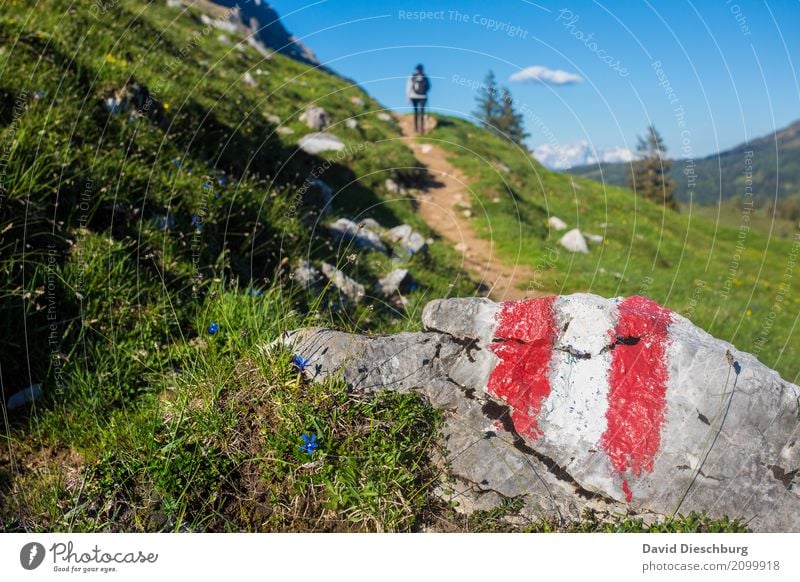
x=445 y=206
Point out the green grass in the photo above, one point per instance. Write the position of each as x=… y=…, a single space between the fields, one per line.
x=149 y=422
x=685 y=261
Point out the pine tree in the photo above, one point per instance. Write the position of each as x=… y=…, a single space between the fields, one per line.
x=650 y=174
x=489 y=106
x=510 y=122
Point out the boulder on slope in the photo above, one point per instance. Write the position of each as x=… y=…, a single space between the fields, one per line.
x=579 y=401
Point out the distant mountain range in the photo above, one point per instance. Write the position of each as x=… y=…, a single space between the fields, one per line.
x=561 y=157
x=773 y=162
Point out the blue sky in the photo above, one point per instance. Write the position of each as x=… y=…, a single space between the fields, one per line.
x=728 y=68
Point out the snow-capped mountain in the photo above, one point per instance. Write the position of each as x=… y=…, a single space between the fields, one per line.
x=581 y=153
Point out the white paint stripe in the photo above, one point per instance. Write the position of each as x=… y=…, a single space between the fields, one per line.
x=574 y=415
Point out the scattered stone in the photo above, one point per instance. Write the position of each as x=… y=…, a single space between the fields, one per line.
x=174 y=4
x=224 y=25
x=307 y=275
x=412 y=241
x=24 y=397
x=351 y=123
x=316 y=118
x=347 y=286
x=398 y=281
x=164 y=221
x=274 y=119
x=248 y=80
x=426 y=148
x=371 y=224
x=383 y=116
x=594 y=238
x=284 y=130
x=556 y=223
x=579 y=402
x=357 y=101
x=502 y=167
x=392 y=186
x=223 y=38
x=314 y=143
x=467 y=213
x=135 y=99
x=362 y=237
x=574 y=242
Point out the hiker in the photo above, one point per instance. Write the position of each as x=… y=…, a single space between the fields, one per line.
x=417 y=92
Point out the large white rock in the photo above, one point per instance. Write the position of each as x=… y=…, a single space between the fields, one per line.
x=315 y=143
x=316 y=118
x=579 y=401
x=347 y=230
x=348 y=287
x=574 y=242
x=24 y=397
x=405 y=236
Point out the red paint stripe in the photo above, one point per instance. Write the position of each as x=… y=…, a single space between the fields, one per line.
x=521 y=377
x=637 y=388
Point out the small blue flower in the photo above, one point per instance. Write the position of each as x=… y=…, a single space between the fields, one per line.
x=737 y=368
x=39 y=95
x=177 y=162
x=255 y=292
x=223 y=181
x=310 y=444
x=300 y=363
x=213 y=328
x=216 y=196
x=410 y=251
x=413 y=287
x=207 y=186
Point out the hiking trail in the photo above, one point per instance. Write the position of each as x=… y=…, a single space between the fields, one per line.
x=445 y=205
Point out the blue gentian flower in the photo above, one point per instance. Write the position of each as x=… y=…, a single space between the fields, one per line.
x=223 y=181
x=300 y=363
x=737 y=367
x=413 y=287
x=255 y=292
x=310 y=444
x=213 y=328
x=207 y=186
x=177 y=162
x=410 y=251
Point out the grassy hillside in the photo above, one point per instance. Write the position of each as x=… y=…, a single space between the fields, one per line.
x=773 y=161
x=726 y=279
x=126 y=236
x=146 y=254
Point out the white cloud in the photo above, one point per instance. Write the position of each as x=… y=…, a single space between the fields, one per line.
x=580 y=153
x=545 y=75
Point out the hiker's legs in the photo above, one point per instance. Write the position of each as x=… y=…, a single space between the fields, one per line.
x=419 y=114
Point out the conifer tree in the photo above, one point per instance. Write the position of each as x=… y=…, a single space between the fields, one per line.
x=650 y=173
x=510 y=122
x=489 y=107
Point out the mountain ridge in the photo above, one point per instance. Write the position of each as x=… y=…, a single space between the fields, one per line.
x=773 y=167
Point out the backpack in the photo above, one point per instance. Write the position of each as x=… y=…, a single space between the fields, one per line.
x=419 y=83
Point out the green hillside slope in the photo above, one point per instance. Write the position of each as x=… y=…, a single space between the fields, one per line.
x=146 y=255
x=735 y=282
x=772 y=163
